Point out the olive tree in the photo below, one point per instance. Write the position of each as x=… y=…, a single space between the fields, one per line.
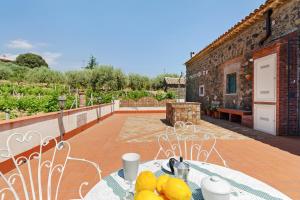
x=138 y=82
x=44 y=75
x=106 y=77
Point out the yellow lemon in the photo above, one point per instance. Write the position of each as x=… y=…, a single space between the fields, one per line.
x=147 y=195
x=161 y=182
x=145 y=181
x=177 y=189
x=163 y=197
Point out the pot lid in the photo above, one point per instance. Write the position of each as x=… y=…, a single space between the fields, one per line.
x=216 y=185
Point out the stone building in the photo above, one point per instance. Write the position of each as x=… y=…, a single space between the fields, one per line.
x=254 y=66
x=176 y=85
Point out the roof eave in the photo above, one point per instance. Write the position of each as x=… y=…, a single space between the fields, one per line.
x=249 y=20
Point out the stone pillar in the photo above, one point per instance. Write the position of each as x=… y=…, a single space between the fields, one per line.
x=116 y=104
x=82 y=99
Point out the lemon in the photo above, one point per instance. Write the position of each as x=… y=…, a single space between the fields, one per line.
x=177 y=189
x=147 y=195
x=145 y=181
x=163 y=197
x=161 y=182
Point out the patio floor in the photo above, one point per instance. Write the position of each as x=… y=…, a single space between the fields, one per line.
x=273 y=160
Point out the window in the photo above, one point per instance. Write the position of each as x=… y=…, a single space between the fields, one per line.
x=231 y=83
x=201 y=90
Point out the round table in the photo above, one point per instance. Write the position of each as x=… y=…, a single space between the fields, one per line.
x=113 y=187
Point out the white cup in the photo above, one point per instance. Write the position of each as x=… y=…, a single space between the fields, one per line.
x=130 y=166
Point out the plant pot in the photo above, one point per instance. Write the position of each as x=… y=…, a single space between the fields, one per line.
x=208 y=112
x=248 y=77
x=216 y=114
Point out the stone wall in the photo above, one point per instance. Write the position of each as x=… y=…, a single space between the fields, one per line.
x=145 y=102
x=187 y=112
x=209 y=70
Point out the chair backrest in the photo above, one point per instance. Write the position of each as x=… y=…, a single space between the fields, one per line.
x=189 y=141
x=42 y=181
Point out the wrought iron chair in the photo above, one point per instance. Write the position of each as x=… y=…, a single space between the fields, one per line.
x=40 y=188
x=186 y=140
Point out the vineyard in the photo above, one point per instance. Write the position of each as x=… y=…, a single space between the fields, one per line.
x=28 y=99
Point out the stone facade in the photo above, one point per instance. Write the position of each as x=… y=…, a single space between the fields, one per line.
x=209 y=70
x=235 y=55
x=187 y=112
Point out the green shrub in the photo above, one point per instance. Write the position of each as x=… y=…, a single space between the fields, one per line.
x=31 y=60
x=5 y=72
x=44 y=75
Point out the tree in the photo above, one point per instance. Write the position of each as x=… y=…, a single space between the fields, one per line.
x=138 y=82
x=92 y=63
x=44 y=75
x=31 y=60
x=120 y=79
x=78 y=79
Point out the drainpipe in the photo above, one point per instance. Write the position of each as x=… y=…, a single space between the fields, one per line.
x=288 y=85
x=298 y=74
x=268 y=26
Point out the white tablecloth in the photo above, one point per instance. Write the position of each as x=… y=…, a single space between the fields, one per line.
x=113 y=187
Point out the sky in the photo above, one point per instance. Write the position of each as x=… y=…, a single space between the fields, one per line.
x=148 y=37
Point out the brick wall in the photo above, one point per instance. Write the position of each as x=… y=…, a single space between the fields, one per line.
x=288 y=100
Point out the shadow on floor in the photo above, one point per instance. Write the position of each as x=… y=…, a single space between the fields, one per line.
x=286 y=143
x=165 y=122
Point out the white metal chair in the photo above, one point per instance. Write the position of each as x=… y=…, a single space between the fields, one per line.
x=30 y=187
x=186 y=140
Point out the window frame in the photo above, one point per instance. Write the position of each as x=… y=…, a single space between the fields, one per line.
x=228 y=87
x=201 y=94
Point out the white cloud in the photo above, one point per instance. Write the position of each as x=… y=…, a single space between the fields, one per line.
x=51 y=57
x=19 y=44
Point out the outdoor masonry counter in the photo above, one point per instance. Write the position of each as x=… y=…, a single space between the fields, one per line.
x=187 y=112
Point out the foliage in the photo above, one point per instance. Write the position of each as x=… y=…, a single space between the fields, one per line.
x=5 y=72
x=163 y=95
x=44 y=75
x=138 y=82
x=78 y=79
x=92 y=63
x=28 y=90
x=136 y=94
x=31 y=60
x=13 y=72
x=107 y=78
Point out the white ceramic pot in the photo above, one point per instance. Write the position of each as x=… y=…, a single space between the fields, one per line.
x=215 y=188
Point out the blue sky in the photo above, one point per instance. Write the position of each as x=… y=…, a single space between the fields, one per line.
x=141 y=36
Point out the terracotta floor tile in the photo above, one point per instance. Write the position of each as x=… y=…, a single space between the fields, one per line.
x=273 y=160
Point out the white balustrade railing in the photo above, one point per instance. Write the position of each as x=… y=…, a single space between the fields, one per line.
x=28 y=188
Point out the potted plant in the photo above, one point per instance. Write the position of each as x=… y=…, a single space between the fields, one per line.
x=208 y=110
x=214 y=110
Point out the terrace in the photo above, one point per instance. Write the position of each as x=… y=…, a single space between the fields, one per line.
x=273 y=160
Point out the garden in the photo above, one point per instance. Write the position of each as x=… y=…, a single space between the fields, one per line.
x=31 y=89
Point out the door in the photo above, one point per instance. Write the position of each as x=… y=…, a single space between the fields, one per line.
x=265 y=78
x=264 y=118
